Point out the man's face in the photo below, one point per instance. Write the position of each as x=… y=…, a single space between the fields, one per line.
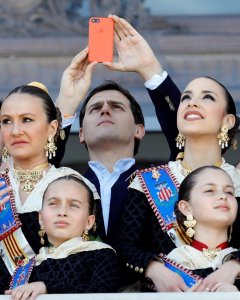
x=108 y=119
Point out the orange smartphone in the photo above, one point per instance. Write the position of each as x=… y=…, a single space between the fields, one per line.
x=100 y=39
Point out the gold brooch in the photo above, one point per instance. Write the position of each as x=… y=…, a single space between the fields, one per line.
x=185 y=172
x=155 y=174
x=62 y=134
x=211 y=254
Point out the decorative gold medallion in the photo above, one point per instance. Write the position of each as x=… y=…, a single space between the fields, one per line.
x=62 y=134
x=155 y=174
x=211 y=254
x=185 y=172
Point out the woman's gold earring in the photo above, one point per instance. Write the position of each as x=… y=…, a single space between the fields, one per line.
x=223 y=137
x=190 y=223
x=5 y=154
x=85 y=235
x=41 y=233
x=50 y=148
x=180 y=140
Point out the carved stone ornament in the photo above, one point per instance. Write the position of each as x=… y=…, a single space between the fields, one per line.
x=40 y=18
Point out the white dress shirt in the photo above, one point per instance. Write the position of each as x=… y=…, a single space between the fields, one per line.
x=107 y=180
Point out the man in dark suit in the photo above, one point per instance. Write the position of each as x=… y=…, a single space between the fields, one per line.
x=111 y=121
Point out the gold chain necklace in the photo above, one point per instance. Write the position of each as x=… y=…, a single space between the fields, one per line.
x=30 y=176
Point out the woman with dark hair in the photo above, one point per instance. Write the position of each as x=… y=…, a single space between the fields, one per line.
x=206 y=121
x=69 y=262
x=206 y=209
x=30 y=125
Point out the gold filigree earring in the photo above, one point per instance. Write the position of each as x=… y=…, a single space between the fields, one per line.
x=190 y=223
x=41 y=233
x=50 y=148
x=223 y=137
x=5 y=154
x=85 y=235
x=180 y=140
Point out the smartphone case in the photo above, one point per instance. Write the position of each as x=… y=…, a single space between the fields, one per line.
x=100 y=39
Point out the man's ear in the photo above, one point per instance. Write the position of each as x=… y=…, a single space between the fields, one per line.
x=140 y=131
x=81 y=136
x=185 y=207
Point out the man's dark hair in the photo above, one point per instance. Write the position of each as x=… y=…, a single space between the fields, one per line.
x=134 y=105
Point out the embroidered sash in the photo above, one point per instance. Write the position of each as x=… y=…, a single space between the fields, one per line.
x=22 y=272
x=187 y=275
x=161 y=189
x=11 y=236
x=9 y=221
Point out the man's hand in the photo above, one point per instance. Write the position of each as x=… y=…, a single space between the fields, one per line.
x=75 y=83
x=135 y=54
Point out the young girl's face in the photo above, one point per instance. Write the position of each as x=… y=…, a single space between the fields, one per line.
x=65 y=211
x=212 y=201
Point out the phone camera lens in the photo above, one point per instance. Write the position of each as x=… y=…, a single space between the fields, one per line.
x=95 y=20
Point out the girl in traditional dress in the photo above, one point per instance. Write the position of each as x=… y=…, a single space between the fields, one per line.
x=69 y=263
x=30 y=125
x=206 y=209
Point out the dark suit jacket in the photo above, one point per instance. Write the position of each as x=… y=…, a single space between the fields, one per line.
x=119 y=194
x=168 y=121
x=166 y=98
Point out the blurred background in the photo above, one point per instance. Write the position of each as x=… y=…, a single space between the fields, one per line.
x=38 y=39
